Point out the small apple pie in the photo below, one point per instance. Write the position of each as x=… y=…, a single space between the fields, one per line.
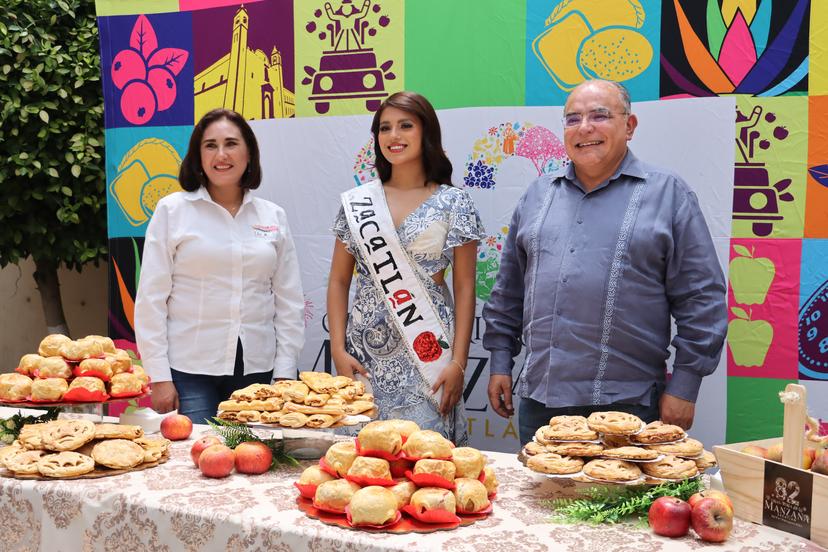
x=468 y=461
x=403 y=491
x=441 y=468
x=433 y=498
x=380 y=436
x=254 y=391
x=314 y=475
x=367 y=466
x=296 y=392
x=293 y=419
x=125 y=384
x=118 y=431
x=118 y=454
x=120 y=361
x=81 y=349
x=575 y=449
x=671 y=467
x=403 y=427
x=554 y=464
x=321 y=420
x=50 y=345
x=28 y=364
x=358 y=407
x=24 y=462
x=154 y=448
x=15 y=387
x=567 y=428
x=471 y=495
x=31 y=435
x=93 y=385
x=630 y=453
x=373 y=505
x=8 y=450
x=688 y=448
x=316 y=399
x=658 y=432
x=97 y=367
x=65 y=464
x=335 y=495
x=706 y=461
x=106 y=343
x=612 y=470
x=615 y=423
x=427 y=444
x=340 y=456
x=49 y=389
x=65 y=435
x=54 y=367
x=533 y=447
x=320 y=382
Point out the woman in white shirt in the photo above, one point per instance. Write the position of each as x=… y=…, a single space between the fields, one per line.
x=219 y=302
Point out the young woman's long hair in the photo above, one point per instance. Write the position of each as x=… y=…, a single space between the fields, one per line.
x=435 y=163
x=191 y=175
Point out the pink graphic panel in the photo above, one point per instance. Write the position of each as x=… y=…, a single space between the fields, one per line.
x=763 y=304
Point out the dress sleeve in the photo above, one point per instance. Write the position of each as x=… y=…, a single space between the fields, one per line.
x=341 y=229
x=464 y=222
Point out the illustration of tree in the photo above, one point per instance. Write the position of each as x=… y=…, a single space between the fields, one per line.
x=539 y=145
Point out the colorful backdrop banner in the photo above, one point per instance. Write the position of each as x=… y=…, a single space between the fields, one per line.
x=309 y=74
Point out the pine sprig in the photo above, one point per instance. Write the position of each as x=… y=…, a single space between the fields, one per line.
x=608 y=505
x=235 y=434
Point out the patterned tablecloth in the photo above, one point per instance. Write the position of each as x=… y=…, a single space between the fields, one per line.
x=172 y=507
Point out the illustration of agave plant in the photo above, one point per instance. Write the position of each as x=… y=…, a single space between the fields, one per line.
x=739 y=55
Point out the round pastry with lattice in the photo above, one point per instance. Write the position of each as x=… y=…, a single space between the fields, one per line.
x=658 y=432
x=64 y=435
x=630 y=453
x=688 y=448
x=612 y=470
x=615 y=423
x=65 y=464
x=575 y=449
x=671 y=467
x=568 y=428
x=554 y=464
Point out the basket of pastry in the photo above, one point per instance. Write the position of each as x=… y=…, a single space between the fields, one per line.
x=316 y=400
x=80 y=449
x=66 y=371
x=395 y=477
x=615 y=448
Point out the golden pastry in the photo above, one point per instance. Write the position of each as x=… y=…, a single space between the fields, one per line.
x=106 y=343
x=335 y=495
x=468 y=461
x=272 y=404
x=230 y=415
x=305 y=409
x=615 y=441
x=366 y=466
x=614 y=423
x=433 y=498
x=8 y=450
x=248 y=416
x=254 y=391
x=139 y=373
x=373 y=505
x=293 y=419
x=341 y=382
x=54 y=367
x=427 y=444
x=380 y=437
x=118 y=431
x=271 y=417
x=93 y=385
x=568 y=428
x=576 y=449
x=126 y=383
x=321 y=420
x=314 y=475
x=24 y=462
x=403 y=491
x=320 y=382
x=15 y=387
x=50 y=345
x=49 y=389
x=555 y=464
x=630 y=453
x=118 y=454
x=337 y=401
x=81 y=349
x=316 y=399
x=28 y=364
x=97 y=366
x=120 y=361
x=31 y=435
x=671 y=467
x=346 y=394
x=358 y=407
x=532 y=448
x=688 y=448
x=340 y=456
x=658 y=432
x=706 y=461
x=66 y=435
x=154 y=448
x=65 y=464
x=441 y=468
x=470 y=495
x=612 y=470
x=296 y=392
x=490 y=480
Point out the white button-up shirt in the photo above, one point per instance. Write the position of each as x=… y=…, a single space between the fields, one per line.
x=209 y=279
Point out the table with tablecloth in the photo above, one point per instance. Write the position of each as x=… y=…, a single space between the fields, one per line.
x=173 y=507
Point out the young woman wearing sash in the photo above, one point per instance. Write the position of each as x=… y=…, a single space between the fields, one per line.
x=401 y=232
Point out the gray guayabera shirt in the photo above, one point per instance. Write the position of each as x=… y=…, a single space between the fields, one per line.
x=590 y=281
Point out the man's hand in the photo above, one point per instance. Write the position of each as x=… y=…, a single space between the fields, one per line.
x=676 y=411
x=164 y=397
x=500 y=394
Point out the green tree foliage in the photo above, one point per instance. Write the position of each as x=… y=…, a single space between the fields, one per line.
x=52 y=177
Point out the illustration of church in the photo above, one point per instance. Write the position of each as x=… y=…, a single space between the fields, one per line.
x=245 y=80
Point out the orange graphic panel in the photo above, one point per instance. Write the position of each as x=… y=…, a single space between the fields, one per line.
x=816 y=208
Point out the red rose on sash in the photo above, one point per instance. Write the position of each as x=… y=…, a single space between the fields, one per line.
x=427 y=347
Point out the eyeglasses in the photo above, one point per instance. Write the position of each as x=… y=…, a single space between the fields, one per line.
x=594 y=117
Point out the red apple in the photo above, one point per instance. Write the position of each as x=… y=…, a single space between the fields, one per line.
x=176 y=427
x=820 y=464
x=201 y=444
x=669 y=516
x=712 y=519
x=710 y=493
x=216 y=461
x=808 y=457
x=755 y=450
x=253 y=457
x=775 y=452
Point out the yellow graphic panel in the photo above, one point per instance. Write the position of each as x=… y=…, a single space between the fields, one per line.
x=146 y=173
x=818 y=73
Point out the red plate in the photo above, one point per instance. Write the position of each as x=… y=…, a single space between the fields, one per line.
x=67 y=403
x=406 y=525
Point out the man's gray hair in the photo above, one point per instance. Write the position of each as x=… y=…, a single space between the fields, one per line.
x=623 y=93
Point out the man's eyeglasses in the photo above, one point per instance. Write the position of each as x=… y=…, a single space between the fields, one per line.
x=594 y=117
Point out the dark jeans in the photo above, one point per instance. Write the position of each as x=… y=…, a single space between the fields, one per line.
x=200 y=395
x=533 y=414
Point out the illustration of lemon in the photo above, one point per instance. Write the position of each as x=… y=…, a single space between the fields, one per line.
x=147 y=172
x=615 y=54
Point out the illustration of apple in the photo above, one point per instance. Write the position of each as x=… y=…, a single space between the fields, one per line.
x=712 y=520
x=217 y=461
x=176 y=427
x=199 y=446
x=750 y=277
x=820 y=464
x=749 y=340
x=755 y=450
x=253 y=457
x=710 y=493
x=669 y=516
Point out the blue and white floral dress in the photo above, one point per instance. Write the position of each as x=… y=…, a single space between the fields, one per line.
x=445 y=220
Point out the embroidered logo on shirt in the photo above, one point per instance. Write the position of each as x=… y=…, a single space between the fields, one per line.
x=263 y=231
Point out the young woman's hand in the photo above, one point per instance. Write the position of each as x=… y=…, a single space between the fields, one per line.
x=164 y=397
x=451 y=380
x=347 y=365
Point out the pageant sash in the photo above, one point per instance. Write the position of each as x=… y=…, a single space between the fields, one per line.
x=392 y=273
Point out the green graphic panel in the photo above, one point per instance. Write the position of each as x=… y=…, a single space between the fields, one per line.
x=753 y=408
x=129 y=7
x=462 y=54
x=771 y=167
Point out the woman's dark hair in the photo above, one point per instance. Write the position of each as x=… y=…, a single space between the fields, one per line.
x=437 y=166
x=191 y=176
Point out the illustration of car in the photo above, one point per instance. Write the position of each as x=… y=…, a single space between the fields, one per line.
x=350 y=74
